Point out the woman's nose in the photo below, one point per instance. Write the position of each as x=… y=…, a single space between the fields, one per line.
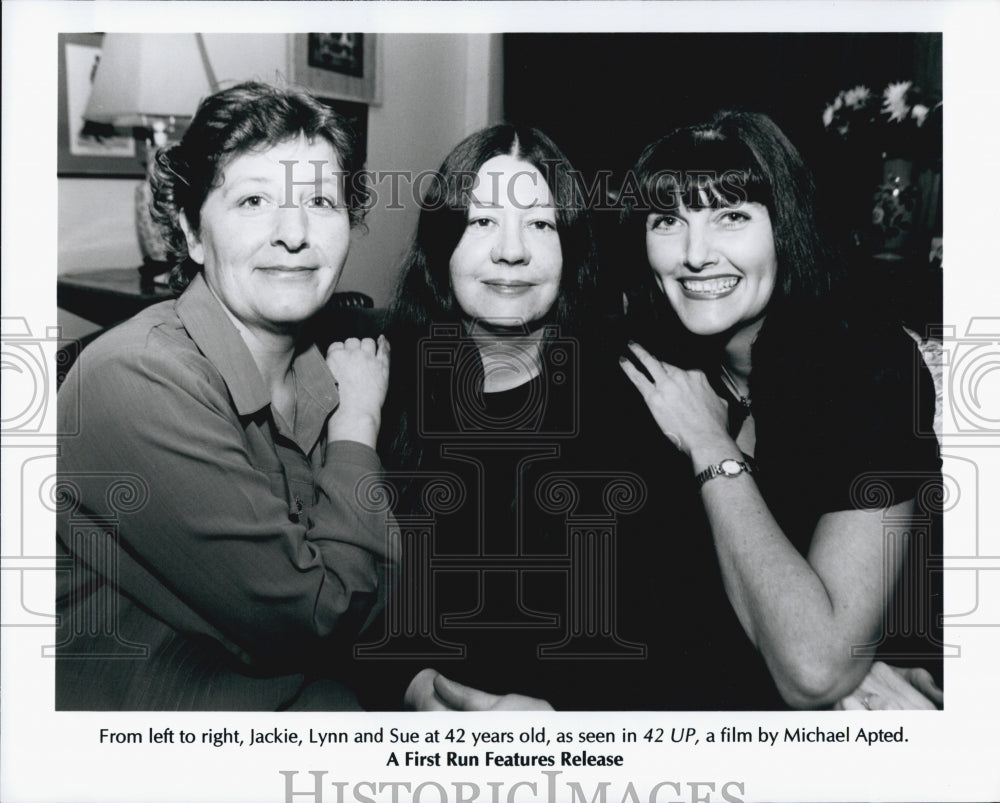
x=698 y=251
x=510 y=246
x=291 y=227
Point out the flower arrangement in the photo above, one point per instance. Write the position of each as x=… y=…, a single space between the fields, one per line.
x=902 y=118
x=892 y=137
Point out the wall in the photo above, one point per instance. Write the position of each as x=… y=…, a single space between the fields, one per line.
x=443 y=87
x=436 y=88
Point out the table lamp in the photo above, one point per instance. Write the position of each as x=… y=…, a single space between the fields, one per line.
x=147 y=85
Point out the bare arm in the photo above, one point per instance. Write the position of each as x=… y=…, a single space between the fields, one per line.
x=804 y=614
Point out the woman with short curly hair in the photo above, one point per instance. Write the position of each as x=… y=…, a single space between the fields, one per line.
x=246 y=564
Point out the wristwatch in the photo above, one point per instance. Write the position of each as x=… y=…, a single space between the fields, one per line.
x=730 y=467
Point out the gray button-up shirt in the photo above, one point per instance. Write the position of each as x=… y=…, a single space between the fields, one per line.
x=215 y=559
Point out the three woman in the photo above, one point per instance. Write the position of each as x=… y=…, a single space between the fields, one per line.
x=220 y=558
x=246 y=563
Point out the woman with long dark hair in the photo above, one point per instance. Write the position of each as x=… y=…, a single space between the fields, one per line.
x=504 y=169
x=796 y=411
x=499 y=276
x=498 y=386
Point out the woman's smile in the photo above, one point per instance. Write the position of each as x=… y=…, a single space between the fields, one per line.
x=508 y=264
x=288 y=271
x=709 y=288
x=508 y=287
x=716 y=266
x=273 y=235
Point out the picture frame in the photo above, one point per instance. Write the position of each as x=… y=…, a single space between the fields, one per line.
x=337 y=66
x=79 y=154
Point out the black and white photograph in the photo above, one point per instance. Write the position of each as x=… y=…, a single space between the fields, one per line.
x=463 y=410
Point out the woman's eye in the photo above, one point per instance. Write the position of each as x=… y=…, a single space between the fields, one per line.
x=662 y=222
x=480 y=223
x=543 y=225
x=252 y=202
x=734 y=218
x=322 y=202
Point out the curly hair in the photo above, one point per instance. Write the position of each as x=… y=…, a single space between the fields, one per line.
x=227 y=124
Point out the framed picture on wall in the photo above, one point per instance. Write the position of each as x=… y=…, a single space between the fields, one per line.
x=343 y=66
x=85 y=149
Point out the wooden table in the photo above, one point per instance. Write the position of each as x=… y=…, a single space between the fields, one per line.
x=113 y=295
x=107 y=296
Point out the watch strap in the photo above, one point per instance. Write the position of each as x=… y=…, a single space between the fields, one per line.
x=730 y=467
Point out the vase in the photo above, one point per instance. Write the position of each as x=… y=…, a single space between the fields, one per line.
x=894 y=208
x=152 y=245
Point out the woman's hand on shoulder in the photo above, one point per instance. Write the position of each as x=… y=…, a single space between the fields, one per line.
x=361 y=370
x=891 y=687
x=683 y=404
x=431 y=691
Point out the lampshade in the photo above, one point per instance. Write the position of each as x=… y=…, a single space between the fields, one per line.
x=149 y=75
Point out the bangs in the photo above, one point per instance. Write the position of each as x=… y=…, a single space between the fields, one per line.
x=701 y=169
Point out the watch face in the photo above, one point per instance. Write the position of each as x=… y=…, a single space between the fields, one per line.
x=730 y=467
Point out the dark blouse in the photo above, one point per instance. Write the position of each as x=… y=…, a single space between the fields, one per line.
x=574 y=564
x=843 y=415
x=510 y=595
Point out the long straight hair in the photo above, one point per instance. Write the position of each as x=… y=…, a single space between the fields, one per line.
x=424 y=294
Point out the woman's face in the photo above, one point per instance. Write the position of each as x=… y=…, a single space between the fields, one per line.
x=717 y=267
x=505 y=270
x=274 y=234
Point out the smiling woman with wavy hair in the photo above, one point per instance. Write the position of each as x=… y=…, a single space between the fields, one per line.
x=246 y=566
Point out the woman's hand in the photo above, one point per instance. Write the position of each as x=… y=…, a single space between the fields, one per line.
x=361 y=369
x=684 y=406
x=431 y=691
x=889 y=687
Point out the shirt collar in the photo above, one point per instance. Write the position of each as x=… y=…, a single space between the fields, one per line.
x=218 y=339
x=214 y=334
